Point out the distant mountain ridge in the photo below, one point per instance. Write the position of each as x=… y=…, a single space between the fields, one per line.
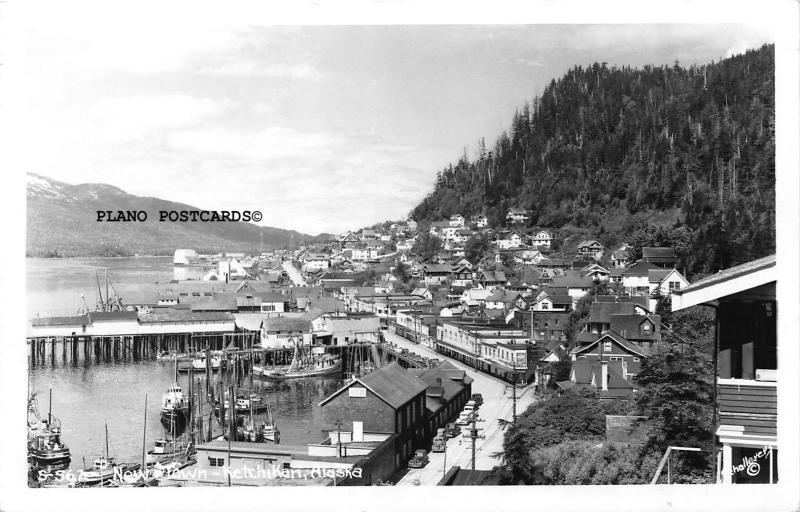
x=62 y=221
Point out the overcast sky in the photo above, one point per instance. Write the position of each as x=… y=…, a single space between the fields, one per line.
x=323 y=129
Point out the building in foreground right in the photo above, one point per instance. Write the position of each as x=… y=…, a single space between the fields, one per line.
x=746 y=366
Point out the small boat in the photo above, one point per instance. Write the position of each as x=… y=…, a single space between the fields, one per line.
x=163 y=450
x=303 y=365
x=102 y=470
x=165 y=356
x=45 y=447
x=198 y=364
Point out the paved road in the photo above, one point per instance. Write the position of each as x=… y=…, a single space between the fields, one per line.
x=294 y=274
x=497 y=404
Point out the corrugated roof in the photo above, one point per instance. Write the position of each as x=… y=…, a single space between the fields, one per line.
x=175 y=315
x=285 y=324
x=112 y=316
x=59 y=320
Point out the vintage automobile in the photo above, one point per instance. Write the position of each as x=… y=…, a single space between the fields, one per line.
x=465 y=418
x=439 y=444
x=420 y=459
x=477 y=398
x=452 y=430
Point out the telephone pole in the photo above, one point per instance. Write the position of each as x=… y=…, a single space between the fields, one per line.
x=473 y=434
x=514 y=388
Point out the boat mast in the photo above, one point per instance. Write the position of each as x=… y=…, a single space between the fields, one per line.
x=100 y=302
x=108 y=299
x=50 y=410
x=144 y=434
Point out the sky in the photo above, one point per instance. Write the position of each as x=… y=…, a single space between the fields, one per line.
x=321 y=128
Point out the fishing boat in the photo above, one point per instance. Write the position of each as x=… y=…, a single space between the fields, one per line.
x=174 y=405
x=102 y=469
x=269 y=430
x=198 y=364
x=304 y=364
x=245 y=403
x=142 y=475
x=163 y=449
x=45 y=447
x=259 y=432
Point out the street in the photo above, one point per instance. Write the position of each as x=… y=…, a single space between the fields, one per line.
x=497 y=404
x=294 y=274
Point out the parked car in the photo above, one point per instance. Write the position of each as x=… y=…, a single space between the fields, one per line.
x=477 y=398
x=465 y=418
x=452 y=430
x=471 y=406
x=439 y=444
x=420 y=459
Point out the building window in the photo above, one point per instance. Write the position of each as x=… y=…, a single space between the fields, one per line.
x=674 y=285
x=214 y=461
x=646 y=329
x=607 y=346
x=635 y=359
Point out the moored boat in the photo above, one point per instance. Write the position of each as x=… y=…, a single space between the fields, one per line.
x=199 y=364
x=174 y=407
x=303 y=365
x=45 y=447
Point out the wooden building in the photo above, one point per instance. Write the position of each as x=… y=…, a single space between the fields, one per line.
x=388 y=399
x=746 y=366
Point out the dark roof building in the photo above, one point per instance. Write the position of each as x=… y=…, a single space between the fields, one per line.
x=663 y=257
x=388 y=399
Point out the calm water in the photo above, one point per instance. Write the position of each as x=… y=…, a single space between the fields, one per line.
x=54 y=286
x=89 y=393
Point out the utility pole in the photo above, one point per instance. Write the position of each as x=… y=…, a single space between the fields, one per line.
x=473 y=434
x=444 y=464
x=514 y=387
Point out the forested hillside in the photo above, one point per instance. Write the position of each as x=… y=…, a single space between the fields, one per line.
x=614 y=149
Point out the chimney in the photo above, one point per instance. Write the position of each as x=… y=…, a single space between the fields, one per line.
x=604 y=375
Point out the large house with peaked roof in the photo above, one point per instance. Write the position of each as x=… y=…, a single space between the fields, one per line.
x=607 y=378
x=613 y=347
x=636 y=279
x=542 y=239
x=517 y=216
x=590 y=248
x=388 y=399
x=489 y=278
x=456 y=221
